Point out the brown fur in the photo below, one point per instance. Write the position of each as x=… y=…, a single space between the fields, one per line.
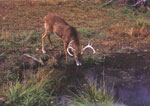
x=66 y=32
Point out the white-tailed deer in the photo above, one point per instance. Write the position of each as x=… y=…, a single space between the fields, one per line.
x=69 y=35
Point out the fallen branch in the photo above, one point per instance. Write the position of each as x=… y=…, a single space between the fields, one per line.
x=35 y=59
x=108 y=3
x=138 y=2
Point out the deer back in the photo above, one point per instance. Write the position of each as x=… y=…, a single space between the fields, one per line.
x=55 y=24
x=61 y=28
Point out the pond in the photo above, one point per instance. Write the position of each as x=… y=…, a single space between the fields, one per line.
x=129 y=73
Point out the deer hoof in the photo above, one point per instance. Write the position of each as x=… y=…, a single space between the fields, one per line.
x=51 y=48
x=43 y=51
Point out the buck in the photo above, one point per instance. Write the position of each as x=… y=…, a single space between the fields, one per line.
x=57 y=25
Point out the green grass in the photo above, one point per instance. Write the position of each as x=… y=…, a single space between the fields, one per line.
x=34 y=92
x=38 y=91
x=91 y=95
x=142 y=22
x=89 y=60
x=85 y=32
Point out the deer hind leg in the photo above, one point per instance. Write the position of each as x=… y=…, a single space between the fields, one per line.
x=65 y=49
x=51 y=46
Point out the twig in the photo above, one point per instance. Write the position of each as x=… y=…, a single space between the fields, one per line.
x=35 y=59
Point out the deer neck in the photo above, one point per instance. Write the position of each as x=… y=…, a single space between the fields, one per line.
x=76 y=46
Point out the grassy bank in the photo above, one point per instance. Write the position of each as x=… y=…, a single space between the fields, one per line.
x=40 y=90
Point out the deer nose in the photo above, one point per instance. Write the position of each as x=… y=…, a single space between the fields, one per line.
x=79 y=64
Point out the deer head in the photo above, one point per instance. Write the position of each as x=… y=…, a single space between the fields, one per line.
x=77 y=53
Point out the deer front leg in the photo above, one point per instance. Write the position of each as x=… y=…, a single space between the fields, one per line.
x=43 y=41
x=65 y=49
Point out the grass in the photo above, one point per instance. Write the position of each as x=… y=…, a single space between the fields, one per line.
x=39 y=90
x=92 y=95
x=85 y=32
x=89 y=60
x=36 y=91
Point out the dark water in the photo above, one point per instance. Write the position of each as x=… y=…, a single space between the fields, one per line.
x=135 y=95
x=130 y=74
x=127 y=73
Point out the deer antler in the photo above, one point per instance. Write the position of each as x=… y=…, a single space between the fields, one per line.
x=70 y=47
x=89 y=46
